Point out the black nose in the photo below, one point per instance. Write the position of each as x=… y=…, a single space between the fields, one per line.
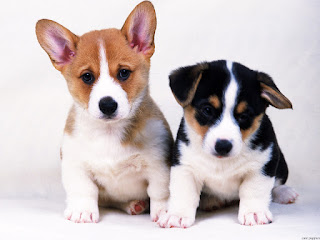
x=223 y=147
x=108 y=106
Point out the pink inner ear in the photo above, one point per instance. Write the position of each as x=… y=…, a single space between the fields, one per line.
x=60 y=51
x=139 y=33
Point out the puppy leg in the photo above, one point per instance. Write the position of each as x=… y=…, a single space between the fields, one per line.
x=255 y=197
x=158 y=190
x=284 y=194
x=184 y=199
x=82 y=194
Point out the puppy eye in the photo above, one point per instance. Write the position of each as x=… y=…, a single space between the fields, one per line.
x=123 y=74
x=207 y=111
x=244 y=117
x=87 y=78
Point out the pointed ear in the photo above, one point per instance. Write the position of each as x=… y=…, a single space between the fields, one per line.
x=57 y=41
x=184 y=82
x=271 y=93
x=140 y=27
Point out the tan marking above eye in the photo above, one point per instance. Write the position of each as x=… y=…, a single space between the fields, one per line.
x=242 y=107
x=127 y=66
x=214 y=100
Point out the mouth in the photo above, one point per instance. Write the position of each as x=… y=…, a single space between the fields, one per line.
x=109 y=118
x=219 y=156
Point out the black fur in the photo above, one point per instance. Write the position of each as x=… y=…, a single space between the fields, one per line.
x=265 y=136
x=181 y=137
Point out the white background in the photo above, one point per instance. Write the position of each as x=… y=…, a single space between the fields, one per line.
x=279 y=37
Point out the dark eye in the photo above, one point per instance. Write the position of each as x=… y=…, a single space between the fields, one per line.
x=87 y=78
x=207 y=111
x=244 y=117
x=123 y=74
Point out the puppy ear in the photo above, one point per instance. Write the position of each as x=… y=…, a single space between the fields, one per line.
x=184 y=82
x=57 y=41
x=140 y=27
x=271 y=93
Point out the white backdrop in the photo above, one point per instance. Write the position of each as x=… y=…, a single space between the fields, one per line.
x=281 y=38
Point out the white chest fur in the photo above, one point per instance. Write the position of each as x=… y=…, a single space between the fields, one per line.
x=224 y=176
x=120 y=170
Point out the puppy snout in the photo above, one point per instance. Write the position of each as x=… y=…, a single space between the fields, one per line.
x=108 y=106
x=223 y=147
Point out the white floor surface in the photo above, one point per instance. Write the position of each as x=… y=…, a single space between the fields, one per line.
x=43 y=219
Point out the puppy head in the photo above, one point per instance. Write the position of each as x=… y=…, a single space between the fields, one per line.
x=106 y=71
x=224 y=103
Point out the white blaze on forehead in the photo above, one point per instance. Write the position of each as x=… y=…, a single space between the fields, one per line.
x=230 y=95
x=104 y=69
x=106 y=86
x=226 y=128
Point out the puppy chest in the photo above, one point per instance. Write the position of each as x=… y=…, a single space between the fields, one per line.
x=224 y=187
x=117 y=168
x=122 y=180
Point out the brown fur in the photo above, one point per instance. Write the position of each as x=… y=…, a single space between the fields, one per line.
x=242 y=106
x=214 y=100
x=69 y=127
x=254 y=127
x=189 y=114
x=148 y=110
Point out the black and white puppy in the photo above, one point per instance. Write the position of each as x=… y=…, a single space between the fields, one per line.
x=226 y=148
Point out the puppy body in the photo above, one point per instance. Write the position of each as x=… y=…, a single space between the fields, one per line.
x=116 y=142
x=226 y=148
x=101 y=162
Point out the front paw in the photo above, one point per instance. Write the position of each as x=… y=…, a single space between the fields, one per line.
x=170 y=221
x=157 y=209
x=82 y=214
x=255 y=218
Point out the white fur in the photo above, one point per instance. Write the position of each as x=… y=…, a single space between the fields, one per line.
x=106 y=86
x=226 y=128
x=284 y=194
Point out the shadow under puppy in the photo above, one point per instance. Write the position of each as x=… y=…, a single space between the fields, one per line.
x=226 y=148
x=116 y=143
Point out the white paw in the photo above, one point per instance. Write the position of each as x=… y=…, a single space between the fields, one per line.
x=284 y=194
x=83 y=216
x=82 y=211
x=173 y=221
x=255 y=218
x=157 y=209
x=137 y=207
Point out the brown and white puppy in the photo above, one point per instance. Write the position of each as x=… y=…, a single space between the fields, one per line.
x=116 y=142
x=226 y=149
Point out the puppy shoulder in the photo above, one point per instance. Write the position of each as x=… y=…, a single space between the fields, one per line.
x=182 y=138
x=70 y=122
x=264 y=136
